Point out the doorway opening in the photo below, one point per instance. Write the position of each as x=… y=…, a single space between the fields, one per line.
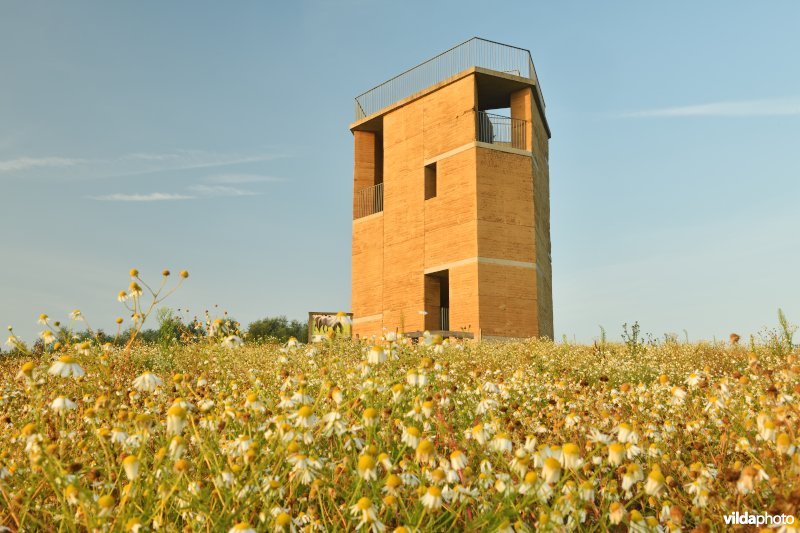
x=437 y=301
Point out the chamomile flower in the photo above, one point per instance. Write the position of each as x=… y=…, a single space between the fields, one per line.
x=131 y=466
x=305 y=417
x=118 y=436
x=147 y=382
x=571 y=456
x=655 y=483
x=176 y=447
x=678 y=395
x=432 y=498
x=367 y=515
x=232 y=341
x=370 y=417
x=47 y=337
x=410 y=436
x=458 y=460
x=478 y=433
x=598 y=437
x=66 y=367
x=385 y=461
x=106 y=504
x=625 y=433
x=26 y=371
x=747 y=480
x=367 y=468
x=242 y=527
x=784 y=444
x=253 y=403
x=632 y=474
x=305 y=468
x=176 y=420
x=616 y=513
x=767 y=430
x=83 y=348
x=693 y=379
x=425 y=451
x=586 y=491
x=551 y=470
x=61 y=405
x=501 y=443
x=392 y=484
x=376 y=355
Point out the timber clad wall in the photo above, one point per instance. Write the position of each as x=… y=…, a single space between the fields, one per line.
x=487 y=226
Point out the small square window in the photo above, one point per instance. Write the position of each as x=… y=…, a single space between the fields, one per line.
x=430 y=181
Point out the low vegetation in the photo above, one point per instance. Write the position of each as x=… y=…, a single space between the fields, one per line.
x=218 y=434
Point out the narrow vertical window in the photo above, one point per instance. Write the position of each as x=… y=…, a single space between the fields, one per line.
x=430 y=181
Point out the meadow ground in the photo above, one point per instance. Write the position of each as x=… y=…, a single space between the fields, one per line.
x=342 y=436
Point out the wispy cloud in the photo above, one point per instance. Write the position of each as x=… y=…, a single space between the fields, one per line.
x=24 y=163
x=133 y=164
x=149 y=197
x=191 y=159
x=743 y=108
x=241 y=178
x=220 y=190
x=196 y=192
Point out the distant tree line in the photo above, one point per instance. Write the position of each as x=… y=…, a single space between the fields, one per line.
x=173 y=330
x=277 y=328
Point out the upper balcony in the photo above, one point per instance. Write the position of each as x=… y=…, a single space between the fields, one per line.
x=475 y=52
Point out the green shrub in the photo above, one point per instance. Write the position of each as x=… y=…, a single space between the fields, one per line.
x=279 y=328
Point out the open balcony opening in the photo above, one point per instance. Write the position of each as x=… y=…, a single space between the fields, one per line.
x=368 y=177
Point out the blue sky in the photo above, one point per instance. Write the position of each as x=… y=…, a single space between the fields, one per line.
x=214 y=137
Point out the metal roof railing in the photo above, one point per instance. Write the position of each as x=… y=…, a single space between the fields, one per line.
x=475 y=52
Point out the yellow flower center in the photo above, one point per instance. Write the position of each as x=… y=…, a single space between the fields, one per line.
x=425 y=447
x=106 y=502
x=393 y=481
x=551 y=463
x=364 y=503
x=571 y=449
x=177 y=411
x=366 y=462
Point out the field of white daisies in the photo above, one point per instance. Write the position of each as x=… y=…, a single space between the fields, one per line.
x=218 y=434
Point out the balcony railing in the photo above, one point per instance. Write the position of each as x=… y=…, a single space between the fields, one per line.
x=369 y=201
x=444 y=318
x=497 y=129
x=475 y=52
